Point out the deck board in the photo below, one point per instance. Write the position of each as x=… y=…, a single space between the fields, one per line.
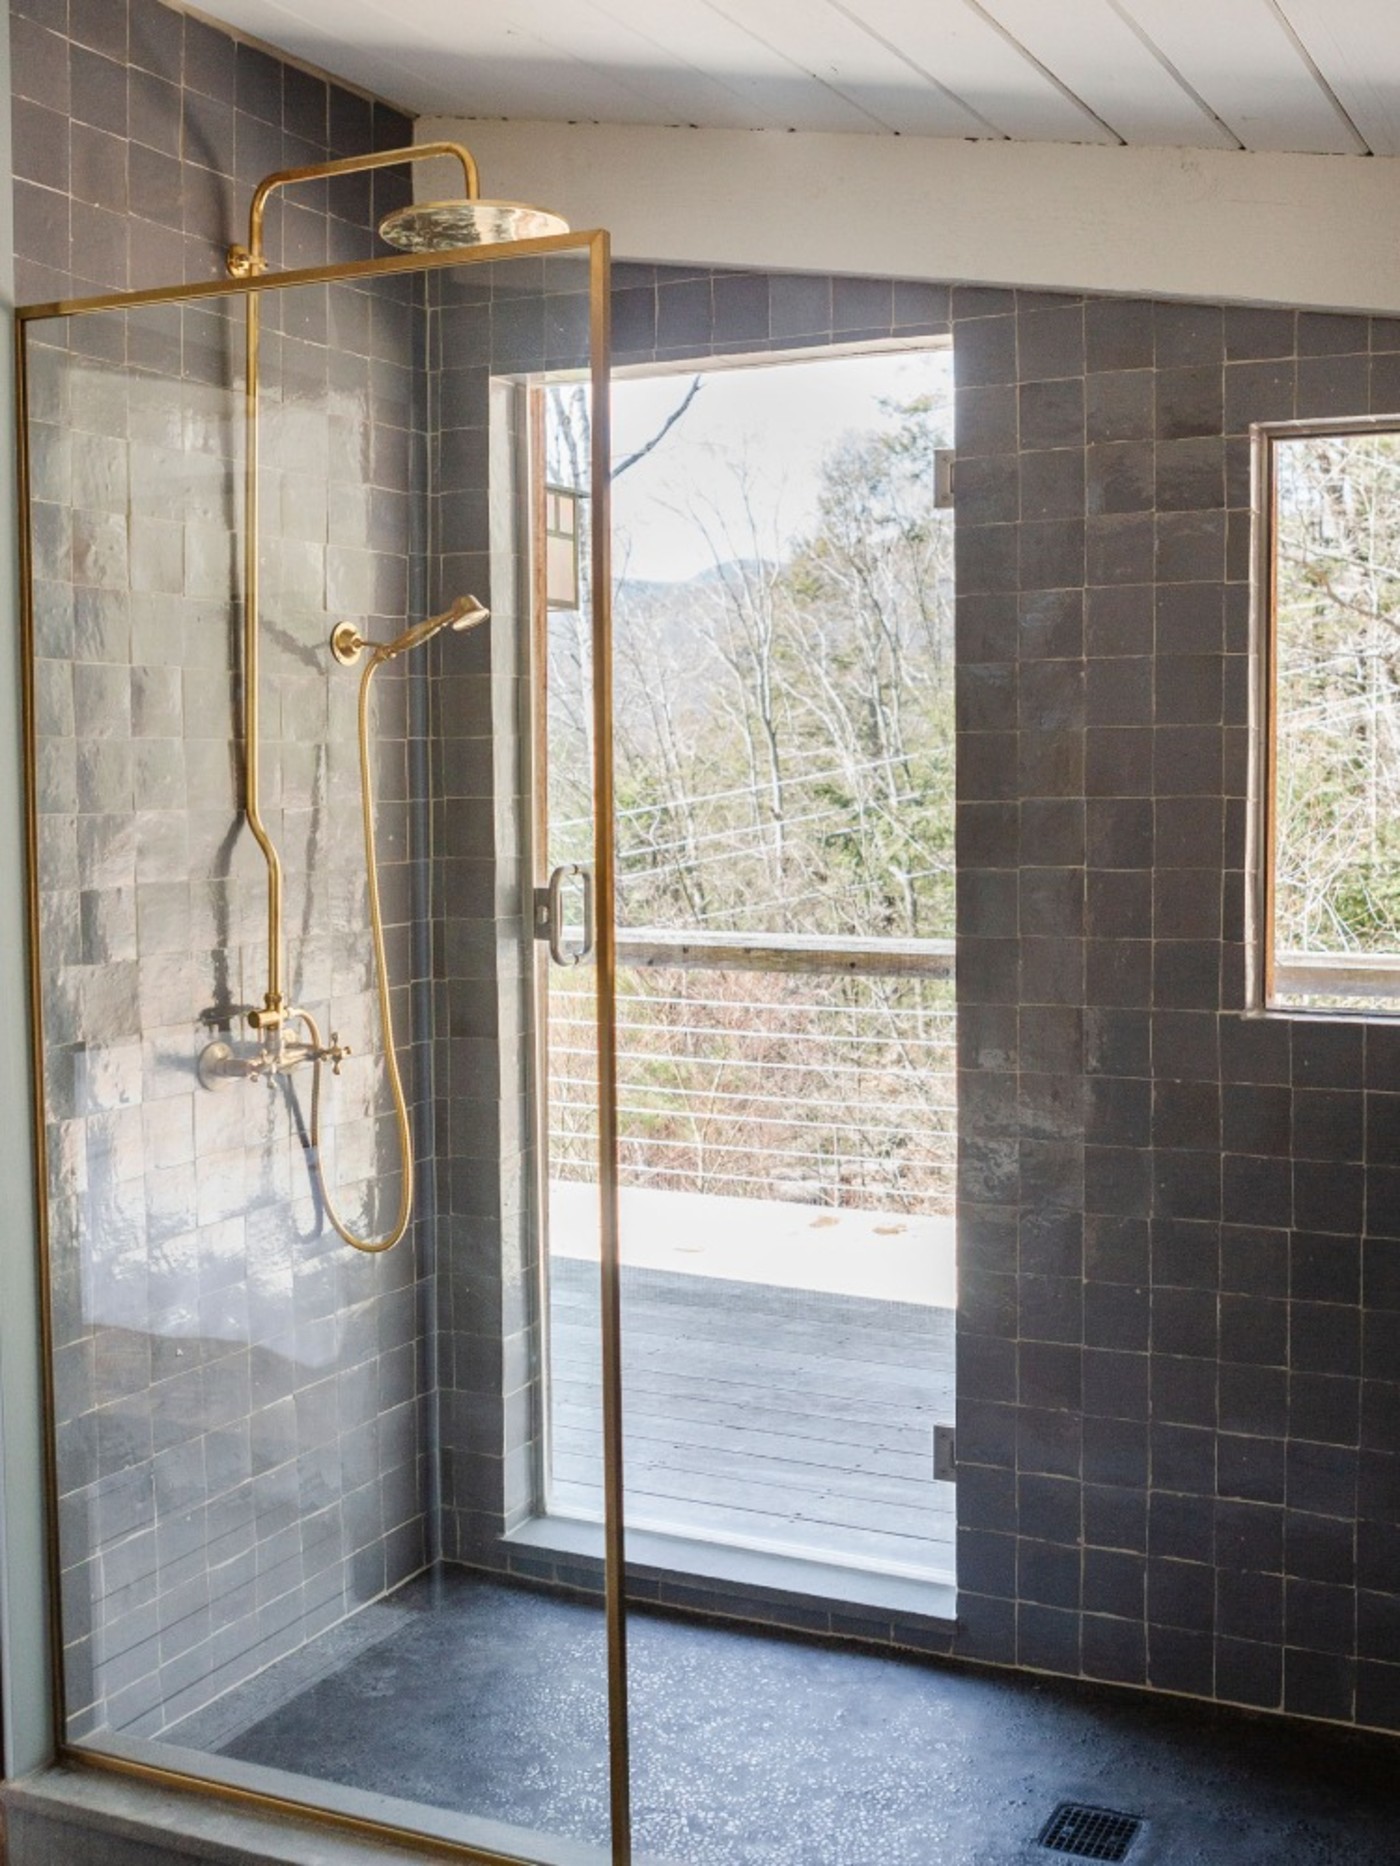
x=787 y=1418
x=731 y=1438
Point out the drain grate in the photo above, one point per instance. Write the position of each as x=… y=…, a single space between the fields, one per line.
x=1089 y=1833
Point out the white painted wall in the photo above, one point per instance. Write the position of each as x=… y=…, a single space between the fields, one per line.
x=1285 y=229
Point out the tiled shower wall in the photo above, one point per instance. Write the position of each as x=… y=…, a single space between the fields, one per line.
x=1178 y=1365
x=241 y=1402
x=506 y=321
x=666 y=314
x=139 y=135
x=1179 y=1335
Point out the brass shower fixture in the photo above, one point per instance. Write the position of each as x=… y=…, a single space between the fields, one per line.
x=247 y=262
x=422 y=227
x=348 y=644
x=439 y=227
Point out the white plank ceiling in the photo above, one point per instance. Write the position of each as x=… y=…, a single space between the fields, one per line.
x=1311 y=75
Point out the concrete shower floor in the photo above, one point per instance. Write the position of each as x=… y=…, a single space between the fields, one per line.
x=750 y=1750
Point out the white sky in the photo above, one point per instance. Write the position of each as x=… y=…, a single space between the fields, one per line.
x=777 y=422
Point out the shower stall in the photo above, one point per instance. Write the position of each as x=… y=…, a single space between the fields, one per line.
x=284 y=577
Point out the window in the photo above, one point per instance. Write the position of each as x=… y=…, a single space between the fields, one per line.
x=1326 y=897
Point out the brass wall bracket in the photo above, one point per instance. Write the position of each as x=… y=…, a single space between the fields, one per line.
x=241 y=264
x=347 y=643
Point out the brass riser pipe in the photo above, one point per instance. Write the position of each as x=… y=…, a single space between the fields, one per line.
x=274 y=1004
x=271 y=1019
x=245 y=262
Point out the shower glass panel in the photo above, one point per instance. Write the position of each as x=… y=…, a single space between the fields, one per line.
x=289 y=1476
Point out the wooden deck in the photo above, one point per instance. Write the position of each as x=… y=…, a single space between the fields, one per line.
x=779 y=1418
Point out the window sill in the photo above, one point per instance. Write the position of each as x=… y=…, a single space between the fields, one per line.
x=1325 y=1013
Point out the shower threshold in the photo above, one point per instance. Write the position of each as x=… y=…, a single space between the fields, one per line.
x=761 y=1586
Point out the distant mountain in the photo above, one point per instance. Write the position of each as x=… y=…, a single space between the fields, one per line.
x=654 y=590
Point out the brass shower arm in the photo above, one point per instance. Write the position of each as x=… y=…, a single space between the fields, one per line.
x=246 y=261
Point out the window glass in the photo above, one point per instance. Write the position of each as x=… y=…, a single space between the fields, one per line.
x=1333 y=833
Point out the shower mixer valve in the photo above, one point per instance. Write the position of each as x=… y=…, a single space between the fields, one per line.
x=276 y=1053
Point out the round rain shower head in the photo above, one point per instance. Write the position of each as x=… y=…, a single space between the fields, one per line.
x=437 y=226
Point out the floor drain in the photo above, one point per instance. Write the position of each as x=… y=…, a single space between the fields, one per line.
x=1089 y=1833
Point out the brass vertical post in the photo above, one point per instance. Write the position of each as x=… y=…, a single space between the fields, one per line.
x=274 y=1005
x=604 y=861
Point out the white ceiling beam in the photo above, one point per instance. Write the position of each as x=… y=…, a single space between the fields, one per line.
x=1211 y=224
x=1242 y=60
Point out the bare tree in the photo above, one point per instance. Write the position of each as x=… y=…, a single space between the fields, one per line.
x=785 y=763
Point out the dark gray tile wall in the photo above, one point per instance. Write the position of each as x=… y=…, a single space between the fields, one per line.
x=665 y=314
x=521 y=316
x=486 y=1300
x=1177 y=1355
x=140 y=133
x=1178 y=1379
x=242 y=1403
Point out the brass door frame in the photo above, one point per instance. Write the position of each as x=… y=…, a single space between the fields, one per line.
x=533 y=440
x=595 y=245
x=533 y=448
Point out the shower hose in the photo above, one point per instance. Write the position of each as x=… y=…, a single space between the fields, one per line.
x=386 y=1015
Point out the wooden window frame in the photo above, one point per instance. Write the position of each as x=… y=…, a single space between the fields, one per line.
x=1267 y=971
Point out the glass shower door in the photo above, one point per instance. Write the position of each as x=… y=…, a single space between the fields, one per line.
x=288 y=1474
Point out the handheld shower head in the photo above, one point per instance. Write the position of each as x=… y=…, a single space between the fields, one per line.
x=347 y=643
x=465 y=613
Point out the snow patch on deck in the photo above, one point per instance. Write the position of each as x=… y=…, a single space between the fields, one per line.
x=890 y=1257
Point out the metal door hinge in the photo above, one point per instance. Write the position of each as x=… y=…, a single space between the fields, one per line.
x=945 y=1455
x=943 y=458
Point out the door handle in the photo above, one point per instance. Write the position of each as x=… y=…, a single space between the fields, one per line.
x=549 y=915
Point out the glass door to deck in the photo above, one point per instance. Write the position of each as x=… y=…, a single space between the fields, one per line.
x=784 y=746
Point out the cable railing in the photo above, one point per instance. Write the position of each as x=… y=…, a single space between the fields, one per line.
x=771 y=1067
